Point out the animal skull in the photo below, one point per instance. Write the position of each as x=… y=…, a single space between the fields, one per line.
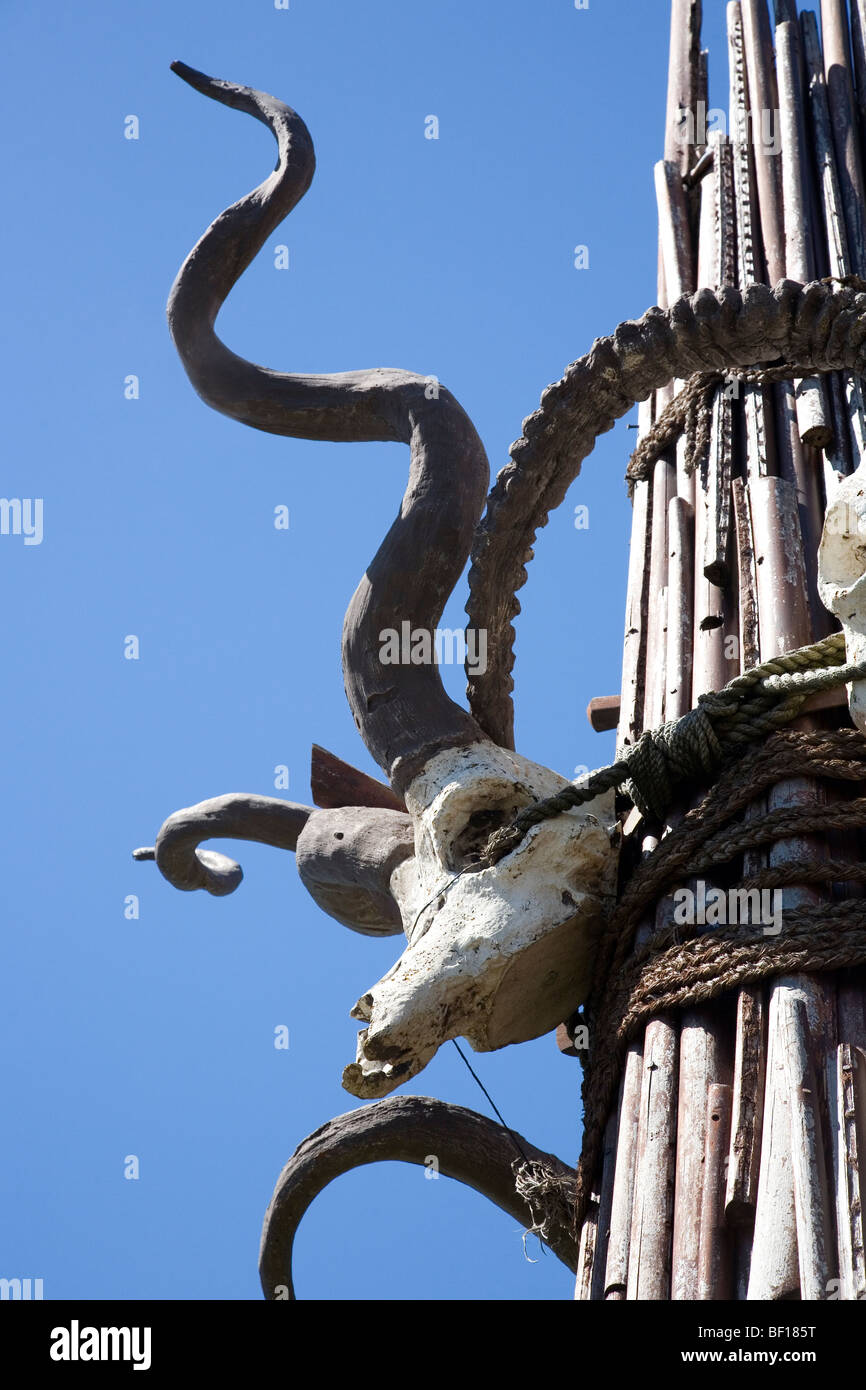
x=842 y=576
x=499 y=954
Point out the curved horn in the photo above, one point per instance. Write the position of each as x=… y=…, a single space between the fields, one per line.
x=402 y=711
x=821 y=325
x=467 y=1146
x=237 y=816
x=345 y=857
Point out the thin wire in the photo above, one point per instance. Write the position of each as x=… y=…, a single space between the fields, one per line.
x=439 y=894
x=465 y=1059
x=479 y=1082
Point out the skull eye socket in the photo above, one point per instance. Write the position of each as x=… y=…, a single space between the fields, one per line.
x=468 y=846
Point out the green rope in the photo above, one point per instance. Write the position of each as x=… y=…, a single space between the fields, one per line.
x=749 y=707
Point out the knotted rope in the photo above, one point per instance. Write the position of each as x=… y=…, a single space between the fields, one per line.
x=751 y=706
x=549 y=1197
x=691 y=410
x=668 y=972
x=691 y=413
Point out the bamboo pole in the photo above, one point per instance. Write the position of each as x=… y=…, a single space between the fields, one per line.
x=622 y=1200
x=697 y=1221
x=644 y=659
x=759 y=430
x=703 y=1037
x=586 y=1254
x=858 y=45
x=747 y=575
x=637 y=604
x=758 y=463
x=664 y=482
x=684 y=82
x=835 y=235
x=850 y=1162
x=678 y=658
x=747 y=1105
x=756 y=130
x=762 y=240
x=649 y=1265
x=715 y=1263
x=840 y=91
x=811 y=1193
x=605 y=1206
x=784 y=624
x=812 y=409
x=675 y=235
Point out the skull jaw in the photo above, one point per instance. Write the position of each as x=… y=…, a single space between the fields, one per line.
x=493 y=995
x=502 y=954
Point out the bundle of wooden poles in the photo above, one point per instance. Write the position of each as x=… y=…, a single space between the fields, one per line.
x=732 y=1160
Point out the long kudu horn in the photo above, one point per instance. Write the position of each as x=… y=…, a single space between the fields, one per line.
x=402 y=711
x=412 y=1129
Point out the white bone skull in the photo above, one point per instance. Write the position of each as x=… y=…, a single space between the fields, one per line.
x=842 y=576
x=504 y=953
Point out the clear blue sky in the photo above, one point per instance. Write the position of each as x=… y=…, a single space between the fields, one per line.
x=454 y=257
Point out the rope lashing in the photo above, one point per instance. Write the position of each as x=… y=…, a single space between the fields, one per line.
x=549 y=1198
x=676 y=968
x=690 y=411
x=751 y=706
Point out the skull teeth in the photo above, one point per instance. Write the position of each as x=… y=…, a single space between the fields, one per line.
x=363 y=1010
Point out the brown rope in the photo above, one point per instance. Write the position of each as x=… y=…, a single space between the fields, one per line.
x=691 y=413
x=548 y=1195
x=691 y=410
x=632 y=986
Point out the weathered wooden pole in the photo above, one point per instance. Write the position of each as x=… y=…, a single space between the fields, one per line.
x=732 y=1154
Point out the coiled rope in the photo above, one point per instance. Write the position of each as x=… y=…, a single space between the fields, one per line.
x=750 y=707
x=677 y=967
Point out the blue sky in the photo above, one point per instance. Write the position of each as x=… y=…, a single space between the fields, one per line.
x=452 y=257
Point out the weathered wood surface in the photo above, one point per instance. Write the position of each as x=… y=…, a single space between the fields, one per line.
x=771 y=1219
x=625 y=1167
x=336 y=783
x=836 y=245
x=747 y=1109
x=603 y=712
x=835 y=39
x=684 y=80
x=797 y=201
x=849 y=1165
x=715 y=1254
x=649 y=1265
